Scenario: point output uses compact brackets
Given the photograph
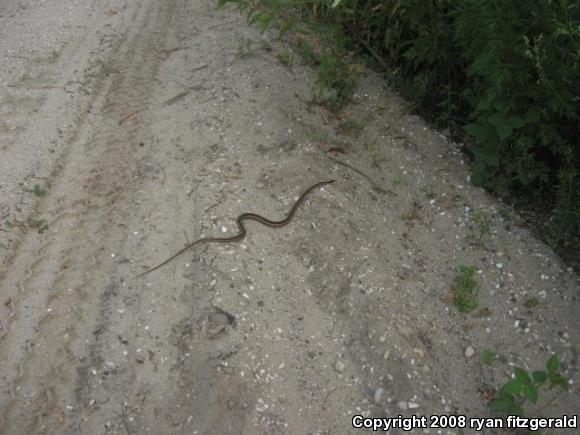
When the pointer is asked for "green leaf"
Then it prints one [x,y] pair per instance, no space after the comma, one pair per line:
[497,119]
[557,380]
[475,130]
[505,405]
[502,404]
[516,122]
[284,28]
[513,387]
[530,392]
[533,116]
[504,131]
[516,410]
[522,375]
[552,364]
[489,356]
[539,376]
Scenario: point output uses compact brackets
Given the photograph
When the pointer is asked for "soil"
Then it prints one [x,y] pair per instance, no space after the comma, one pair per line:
[128,129]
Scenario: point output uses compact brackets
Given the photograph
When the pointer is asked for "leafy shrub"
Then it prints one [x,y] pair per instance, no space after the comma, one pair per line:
[504,73]
[525,387]
[465,290]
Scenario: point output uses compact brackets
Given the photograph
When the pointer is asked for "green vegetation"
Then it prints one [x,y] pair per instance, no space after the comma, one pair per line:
[306,52]
[532,302]
[53,57]
[503,76]
[465,290]
[335,80]
[39,191]
[39,225]
[245,48]
[489,356]
[482,226]
[285,57]
[350,127]
[524,387]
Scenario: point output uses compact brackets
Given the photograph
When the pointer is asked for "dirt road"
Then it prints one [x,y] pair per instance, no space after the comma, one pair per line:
[129,128]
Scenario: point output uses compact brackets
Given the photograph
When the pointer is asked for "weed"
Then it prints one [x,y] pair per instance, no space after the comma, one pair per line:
[430,194]
[335,80]
[53,57]
[245,48]
[39,225]
[397,180]
[414,214]
[532,302]
[489,356]
[350,127]
[265,45]
[465,291]
[285,57]
[306,53]
[481,226]
[39,191]
[321,136]
[525,387]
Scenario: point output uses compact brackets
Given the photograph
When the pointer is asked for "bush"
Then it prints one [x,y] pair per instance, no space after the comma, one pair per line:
[505,72]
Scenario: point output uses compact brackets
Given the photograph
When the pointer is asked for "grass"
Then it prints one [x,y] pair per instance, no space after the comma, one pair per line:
[285,58]
[430,194]
[350,127]
[306,53]
[465,290]
[335,82]
[481,227]
[489,356]
[245,48]
[532,302]
[39,191]
[39,225]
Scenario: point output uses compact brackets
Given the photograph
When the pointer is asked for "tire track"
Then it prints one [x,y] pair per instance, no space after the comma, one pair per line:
[72,285]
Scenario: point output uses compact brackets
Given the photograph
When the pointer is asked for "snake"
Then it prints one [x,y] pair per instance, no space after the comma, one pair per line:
[242,227]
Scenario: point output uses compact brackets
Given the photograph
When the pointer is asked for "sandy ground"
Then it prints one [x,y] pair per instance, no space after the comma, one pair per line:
[129,128]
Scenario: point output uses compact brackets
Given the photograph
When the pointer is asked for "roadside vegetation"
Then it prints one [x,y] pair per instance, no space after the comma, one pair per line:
[502,76]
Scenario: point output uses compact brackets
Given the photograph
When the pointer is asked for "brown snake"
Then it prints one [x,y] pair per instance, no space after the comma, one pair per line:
[240,221]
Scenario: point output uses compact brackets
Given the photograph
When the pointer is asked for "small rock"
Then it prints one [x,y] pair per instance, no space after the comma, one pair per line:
[469,351]
[109,367]
[378,394]
[413,405]
[339,366]
[402,405]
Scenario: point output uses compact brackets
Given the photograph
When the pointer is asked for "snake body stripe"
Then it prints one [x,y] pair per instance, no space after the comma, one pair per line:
[240,221]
